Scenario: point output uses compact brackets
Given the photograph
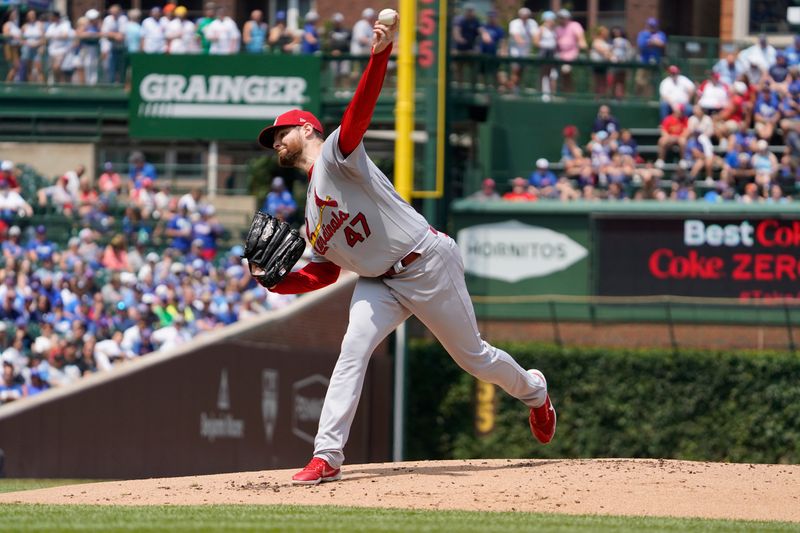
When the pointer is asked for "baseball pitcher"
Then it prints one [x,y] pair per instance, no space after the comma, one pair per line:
[355,219]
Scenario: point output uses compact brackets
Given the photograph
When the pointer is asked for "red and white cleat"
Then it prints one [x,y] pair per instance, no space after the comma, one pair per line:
[543,419]
[317,471]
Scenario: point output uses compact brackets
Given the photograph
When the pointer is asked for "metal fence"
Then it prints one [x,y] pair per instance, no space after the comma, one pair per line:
[85,64]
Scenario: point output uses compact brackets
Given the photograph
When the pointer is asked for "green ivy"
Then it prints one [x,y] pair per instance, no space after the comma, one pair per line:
[695,405]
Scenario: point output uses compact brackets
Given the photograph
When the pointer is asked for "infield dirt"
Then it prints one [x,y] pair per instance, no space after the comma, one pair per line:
[643,487]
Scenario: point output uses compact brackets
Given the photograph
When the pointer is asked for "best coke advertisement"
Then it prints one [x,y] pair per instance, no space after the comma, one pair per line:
[745,258]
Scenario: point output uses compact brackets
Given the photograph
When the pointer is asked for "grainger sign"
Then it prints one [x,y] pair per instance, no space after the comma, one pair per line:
[218,97]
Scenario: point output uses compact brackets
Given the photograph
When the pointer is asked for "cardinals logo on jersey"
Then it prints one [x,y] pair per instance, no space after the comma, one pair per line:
[327,202]
[323,233]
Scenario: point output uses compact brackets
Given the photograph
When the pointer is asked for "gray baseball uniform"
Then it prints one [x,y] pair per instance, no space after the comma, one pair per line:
[356,219]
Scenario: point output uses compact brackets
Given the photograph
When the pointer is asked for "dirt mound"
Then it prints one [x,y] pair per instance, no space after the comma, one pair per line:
[602,486]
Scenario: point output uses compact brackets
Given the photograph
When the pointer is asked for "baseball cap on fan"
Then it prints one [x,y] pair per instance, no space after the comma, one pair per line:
[295,117]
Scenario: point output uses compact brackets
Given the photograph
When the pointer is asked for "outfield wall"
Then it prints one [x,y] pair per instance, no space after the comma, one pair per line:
[640,262]
[245,398]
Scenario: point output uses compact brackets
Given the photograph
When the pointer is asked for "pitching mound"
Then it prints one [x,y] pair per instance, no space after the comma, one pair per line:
[604,486]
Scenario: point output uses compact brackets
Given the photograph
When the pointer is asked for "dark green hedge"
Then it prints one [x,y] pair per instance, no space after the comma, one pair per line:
[698,405]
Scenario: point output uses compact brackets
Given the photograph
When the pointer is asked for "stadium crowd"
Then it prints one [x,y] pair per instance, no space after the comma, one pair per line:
[50,48]
[733,136]
[140,271]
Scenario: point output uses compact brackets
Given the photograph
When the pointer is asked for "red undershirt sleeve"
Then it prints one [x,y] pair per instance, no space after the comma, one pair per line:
[358,114]
[311,277]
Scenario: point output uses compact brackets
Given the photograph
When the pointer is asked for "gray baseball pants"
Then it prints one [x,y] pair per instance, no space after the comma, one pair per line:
[433,289]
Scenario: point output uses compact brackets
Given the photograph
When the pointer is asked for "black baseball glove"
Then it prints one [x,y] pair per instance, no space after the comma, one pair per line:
[272,248]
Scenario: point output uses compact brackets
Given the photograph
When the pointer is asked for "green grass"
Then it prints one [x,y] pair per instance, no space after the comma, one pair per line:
[334,519]
[14,485]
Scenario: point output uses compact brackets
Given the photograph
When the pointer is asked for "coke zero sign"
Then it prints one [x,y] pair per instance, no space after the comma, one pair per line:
[746,257]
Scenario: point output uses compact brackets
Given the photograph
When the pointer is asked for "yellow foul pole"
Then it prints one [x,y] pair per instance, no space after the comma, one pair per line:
[404,110]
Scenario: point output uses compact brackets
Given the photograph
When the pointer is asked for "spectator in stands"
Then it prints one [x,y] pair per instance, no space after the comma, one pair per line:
[40,247]
[10,388]
[12,35]
[545,40]
[652,44]
[729,69]
[605,121]
[520,41]
[191,201]
[279,202]
[675,89]
[682,187]
[109,182]
[111,45]
[337,41]
[698,154]
[139,170]
[792,52]
[790,116]
[571,40]
[12,250]
[309,43]
[519,191]
[179,229]
[281,39]
[761,55]
[735,115]
[622,51]
[172,335]
[32,48]
[737,169]
[602,52]
[133,32]
[115,256]
[776,195]
[486,193]
[87,198]
[491,35]
[207,230]
[58,196]
[59,35]
[571,154]
[9,173]
[12,205]
[751,194]
[466,30]
[361,43]
[778,73]
[599,149]
[209,14]
[672,128]
[88,32]
[713,95]
[701,122]
[765,164]
[766,114]
[543,181]
[627,146]
[181,34]
[615,192]
[254,33]
[223,34]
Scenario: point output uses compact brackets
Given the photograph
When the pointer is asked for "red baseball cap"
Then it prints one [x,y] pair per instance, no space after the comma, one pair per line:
[673,69]
[295,117]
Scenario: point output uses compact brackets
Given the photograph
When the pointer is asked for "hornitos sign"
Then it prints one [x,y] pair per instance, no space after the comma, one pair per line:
[512,251]
[218,97]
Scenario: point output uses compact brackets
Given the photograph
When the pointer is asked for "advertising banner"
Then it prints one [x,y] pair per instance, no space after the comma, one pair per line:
[699,255]
[218,97]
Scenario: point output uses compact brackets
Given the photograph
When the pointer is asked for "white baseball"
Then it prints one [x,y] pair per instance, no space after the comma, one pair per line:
[387,17]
